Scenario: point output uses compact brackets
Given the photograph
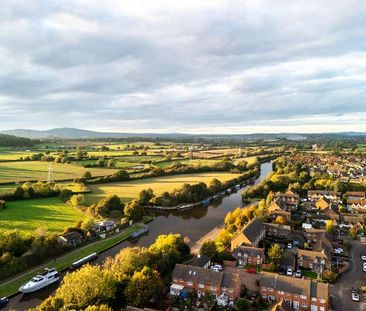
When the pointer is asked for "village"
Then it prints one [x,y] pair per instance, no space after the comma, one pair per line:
[308,254]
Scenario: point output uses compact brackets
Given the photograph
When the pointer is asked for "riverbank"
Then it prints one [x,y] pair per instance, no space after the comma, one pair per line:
[62,264]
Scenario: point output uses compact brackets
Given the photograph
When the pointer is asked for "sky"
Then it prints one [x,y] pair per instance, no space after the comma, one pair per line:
[184,66]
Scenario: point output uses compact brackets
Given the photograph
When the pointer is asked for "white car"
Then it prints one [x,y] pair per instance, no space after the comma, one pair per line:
[355,297]
[298,273]
[289,272]
[363,257]
[364,267]
[338,250]
[289,245]
[216,268]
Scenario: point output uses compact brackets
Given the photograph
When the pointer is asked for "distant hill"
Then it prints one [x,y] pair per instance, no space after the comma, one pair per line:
[75,133]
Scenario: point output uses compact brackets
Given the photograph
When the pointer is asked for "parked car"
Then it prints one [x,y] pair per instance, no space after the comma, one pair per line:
[355,294]
[364,267]
[217,268]
[363,256]
[289,272]
[289,245]
[298,273]
[3,301]
[338,250]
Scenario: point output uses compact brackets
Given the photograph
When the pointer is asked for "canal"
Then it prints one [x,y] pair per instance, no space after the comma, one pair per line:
[192,224]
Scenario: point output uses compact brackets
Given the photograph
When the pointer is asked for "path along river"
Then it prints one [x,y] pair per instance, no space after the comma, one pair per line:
[193,223]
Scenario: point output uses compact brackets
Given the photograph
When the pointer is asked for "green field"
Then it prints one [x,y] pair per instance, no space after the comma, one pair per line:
[36,170]
[193,162]
[28,215]
[128,191]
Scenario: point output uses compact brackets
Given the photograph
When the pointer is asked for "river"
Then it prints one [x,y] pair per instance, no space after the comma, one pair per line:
[193,224]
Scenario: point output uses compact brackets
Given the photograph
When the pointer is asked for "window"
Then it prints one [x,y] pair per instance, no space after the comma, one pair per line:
[303,297]
[264,296]
[304,304]
[189,284]
[280,292]
[296,305]
[201,285]
[212,288]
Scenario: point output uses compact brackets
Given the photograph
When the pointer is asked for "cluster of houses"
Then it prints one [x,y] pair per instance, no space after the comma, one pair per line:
[310,249]
[101,228]
[343,167]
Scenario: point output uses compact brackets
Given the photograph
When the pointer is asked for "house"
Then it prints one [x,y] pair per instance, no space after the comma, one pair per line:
[279,208]
[290,197]
[277,230]
[314,195]
[251,235]
[249,256]
[323,203]
[300,294]
[356,200]
[316,261]
[224,286]
[289,261]
[281,305]
[105,225]
[72,238]
[201,261]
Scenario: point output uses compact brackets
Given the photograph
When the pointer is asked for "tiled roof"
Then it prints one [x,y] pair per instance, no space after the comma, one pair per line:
[285,283]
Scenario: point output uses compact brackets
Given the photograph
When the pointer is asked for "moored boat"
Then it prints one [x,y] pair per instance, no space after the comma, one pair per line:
[48,277]
[139,232]
[82,261]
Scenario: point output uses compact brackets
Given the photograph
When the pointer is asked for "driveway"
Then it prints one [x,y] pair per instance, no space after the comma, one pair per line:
[341,291]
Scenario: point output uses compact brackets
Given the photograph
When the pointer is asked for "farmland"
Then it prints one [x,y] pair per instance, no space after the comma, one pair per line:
[129,190]
[29,215]
[36,170]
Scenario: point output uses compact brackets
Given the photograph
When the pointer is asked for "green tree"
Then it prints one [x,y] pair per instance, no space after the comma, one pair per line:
[77,200]
[87,286]
[276,254]
[87,175]
[209,249]
[134,210]
[329,226]
[145,196]
[243,304]
[142,286]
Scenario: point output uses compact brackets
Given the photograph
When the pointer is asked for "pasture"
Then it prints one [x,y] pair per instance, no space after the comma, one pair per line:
[29,215]
[130,190]
[36,170]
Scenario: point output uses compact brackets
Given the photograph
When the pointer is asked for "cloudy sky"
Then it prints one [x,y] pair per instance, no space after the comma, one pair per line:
[183,66]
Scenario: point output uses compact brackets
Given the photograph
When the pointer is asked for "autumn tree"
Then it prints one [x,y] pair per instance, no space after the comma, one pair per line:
[280,220]
[142,286]
[329,226]
[209,249]
[276,254]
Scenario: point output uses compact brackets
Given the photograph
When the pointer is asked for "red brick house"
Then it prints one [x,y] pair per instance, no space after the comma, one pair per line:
[249,256]
[300,294]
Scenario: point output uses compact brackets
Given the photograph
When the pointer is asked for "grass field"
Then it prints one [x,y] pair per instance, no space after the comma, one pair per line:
[28,215]
[128,191]
[193,162]
[35,170]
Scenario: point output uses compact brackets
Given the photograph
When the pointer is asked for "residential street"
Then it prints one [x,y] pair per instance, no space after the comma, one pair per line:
[355,277]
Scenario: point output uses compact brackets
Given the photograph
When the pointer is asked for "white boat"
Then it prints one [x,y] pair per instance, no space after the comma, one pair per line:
[48,277]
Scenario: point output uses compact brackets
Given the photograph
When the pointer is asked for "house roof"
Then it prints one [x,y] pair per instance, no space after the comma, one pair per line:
[277,226]
[311,254]
[320,290]
[251,251]
[285,283]
[230,280]
[201,275]
[288,193]
[277,204]
[72,236]
[253,229]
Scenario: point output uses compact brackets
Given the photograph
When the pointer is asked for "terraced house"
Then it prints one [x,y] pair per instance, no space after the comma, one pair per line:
[290,197]
[300,294]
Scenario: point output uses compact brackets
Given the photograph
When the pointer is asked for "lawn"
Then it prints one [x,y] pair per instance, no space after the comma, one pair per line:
[28,215]
[128,191]
[36,170]
[193,162]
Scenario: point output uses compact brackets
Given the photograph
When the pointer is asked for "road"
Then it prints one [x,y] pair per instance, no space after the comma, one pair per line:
[341,291]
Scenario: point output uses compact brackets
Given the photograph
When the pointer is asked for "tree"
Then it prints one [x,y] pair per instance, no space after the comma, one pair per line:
[77,200]
[79,154]
[223,239]
[209,249]
[87,286]
[111,163]
[87,175]
[243,304]
[276,254]
[353,231]
[329,226]
[142,286]
[134,210]
[280,220]
[127,261]
[145,196]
